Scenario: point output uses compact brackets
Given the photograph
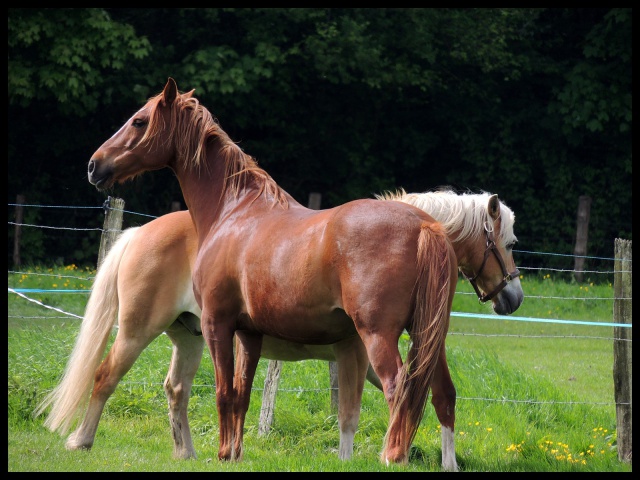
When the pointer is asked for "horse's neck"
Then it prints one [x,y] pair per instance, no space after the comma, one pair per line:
[465,249]
[207,199]
[202,189]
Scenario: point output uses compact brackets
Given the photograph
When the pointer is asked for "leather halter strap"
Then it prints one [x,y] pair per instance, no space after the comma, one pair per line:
[506,277]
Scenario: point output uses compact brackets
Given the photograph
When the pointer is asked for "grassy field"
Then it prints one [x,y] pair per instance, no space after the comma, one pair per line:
[531,396]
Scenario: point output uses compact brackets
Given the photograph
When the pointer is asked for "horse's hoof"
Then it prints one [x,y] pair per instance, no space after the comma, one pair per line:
[74,446]
[397,458]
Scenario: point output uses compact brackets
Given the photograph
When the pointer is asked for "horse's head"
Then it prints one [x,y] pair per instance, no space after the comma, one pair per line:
[145,142]
[490,267]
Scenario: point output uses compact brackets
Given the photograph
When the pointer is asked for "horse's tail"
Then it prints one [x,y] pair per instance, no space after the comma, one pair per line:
[435,286]
[69,398]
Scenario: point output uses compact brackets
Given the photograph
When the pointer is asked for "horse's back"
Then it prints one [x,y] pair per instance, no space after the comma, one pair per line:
[391,219]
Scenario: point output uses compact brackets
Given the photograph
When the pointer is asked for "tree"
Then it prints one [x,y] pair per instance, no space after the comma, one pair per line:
[532,104]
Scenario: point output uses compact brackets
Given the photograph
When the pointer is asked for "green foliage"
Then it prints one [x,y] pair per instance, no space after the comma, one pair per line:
[63,53]
[532,104]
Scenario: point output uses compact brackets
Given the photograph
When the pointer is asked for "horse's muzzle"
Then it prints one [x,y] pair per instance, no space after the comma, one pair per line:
[101,180]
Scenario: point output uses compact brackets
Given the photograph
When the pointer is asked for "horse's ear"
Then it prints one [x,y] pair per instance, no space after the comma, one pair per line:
[494,206]
[170,92]
[188,94]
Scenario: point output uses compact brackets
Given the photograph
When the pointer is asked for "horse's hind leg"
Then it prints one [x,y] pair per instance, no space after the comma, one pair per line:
[383,353]
[352,363]
[123,353]
[248,348]
[444,400]
[185,360]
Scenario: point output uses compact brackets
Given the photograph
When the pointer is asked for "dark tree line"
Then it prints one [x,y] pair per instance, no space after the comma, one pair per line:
[532,104]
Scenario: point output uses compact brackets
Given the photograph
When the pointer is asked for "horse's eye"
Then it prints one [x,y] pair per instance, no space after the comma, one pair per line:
[137,123]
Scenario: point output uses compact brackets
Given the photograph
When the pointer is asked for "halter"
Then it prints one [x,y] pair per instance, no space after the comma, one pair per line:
[506,277]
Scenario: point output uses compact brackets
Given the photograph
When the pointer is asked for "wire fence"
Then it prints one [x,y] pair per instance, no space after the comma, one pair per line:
[51,312]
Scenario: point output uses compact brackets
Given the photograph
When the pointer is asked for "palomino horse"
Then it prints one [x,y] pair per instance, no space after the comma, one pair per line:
[145,285]
[267,265]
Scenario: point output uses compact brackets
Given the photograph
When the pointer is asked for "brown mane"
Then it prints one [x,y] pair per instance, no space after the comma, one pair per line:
[198,128]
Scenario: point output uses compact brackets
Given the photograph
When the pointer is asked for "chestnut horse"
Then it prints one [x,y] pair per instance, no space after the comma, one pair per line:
[267,265]
[144,283]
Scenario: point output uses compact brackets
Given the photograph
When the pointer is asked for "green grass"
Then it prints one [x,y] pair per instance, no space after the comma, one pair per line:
[526,402]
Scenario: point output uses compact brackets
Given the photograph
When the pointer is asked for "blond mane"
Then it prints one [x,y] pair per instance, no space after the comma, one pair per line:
[464,213]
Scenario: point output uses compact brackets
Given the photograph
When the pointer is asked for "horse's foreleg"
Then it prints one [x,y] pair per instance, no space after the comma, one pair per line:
[352,360]
[248,348]
[116,364]
[443,399]
[218,333]
[185,360]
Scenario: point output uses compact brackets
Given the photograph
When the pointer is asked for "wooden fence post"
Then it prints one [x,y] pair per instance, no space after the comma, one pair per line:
[17,236]
[622,346]
[113,209]
[269,396]
[275,366]
[582,234]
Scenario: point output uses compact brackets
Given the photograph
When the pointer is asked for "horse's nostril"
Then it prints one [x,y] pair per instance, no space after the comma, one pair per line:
[92,166]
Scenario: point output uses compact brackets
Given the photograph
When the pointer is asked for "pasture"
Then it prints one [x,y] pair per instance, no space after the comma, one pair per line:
[531,396]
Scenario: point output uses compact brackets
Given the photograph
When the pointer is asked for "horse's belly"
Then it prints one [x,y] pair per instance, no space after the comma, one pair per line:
[303,328]
[278,349]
